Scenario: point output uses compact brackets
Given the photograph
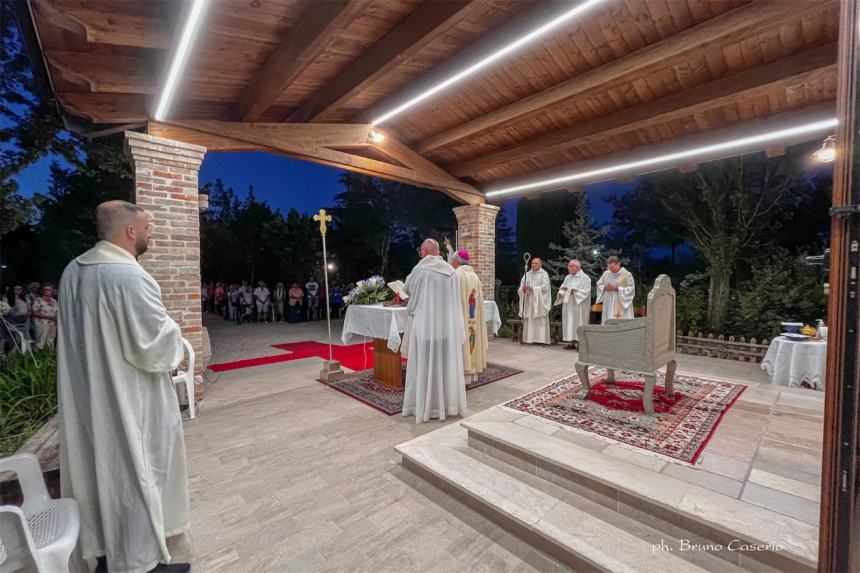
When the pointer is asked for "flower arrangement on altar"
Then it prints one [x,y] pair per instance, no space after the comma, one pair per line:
[369,291]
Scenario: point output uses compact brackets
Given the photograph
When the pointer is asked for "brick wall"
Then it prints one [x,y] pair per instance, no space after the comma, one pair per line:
[165,182]
[476,232]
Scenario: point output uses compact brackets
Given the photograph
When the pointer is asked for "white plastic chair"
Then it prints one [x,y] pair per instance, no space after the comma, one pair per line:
[187,377]
[42,531]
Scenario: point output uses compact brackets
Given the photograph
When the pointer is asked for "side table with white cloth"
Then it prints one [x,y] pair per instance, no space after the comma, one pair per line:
[796,363]
[492,316]
[384,324]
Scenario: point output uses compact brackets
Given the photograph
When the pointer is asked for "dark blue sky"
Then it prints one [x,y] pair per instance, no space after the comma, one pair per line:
[286,183]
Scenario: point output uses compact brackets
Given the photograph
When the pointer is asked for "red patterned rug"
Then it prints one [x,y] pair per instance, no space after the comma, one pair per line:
[679,430]
[361,386]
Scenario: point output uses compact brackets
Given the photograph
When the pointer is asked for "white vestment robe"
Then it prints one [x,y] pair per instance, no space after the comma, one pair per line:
[616,303]
[122,453]
[472,303]
[535,307]
[575,310]
[433,343]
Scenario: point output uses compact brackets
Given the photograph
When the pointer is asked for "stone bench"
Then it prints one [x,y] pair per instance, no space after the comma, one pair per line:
[516,325]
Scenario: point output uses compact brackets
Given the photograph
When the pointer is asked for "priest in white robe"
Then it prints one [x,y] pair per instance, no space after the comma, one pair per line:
[575,295]
[472,304]
[535,303]
[616,290]
[122,454]
[433,340]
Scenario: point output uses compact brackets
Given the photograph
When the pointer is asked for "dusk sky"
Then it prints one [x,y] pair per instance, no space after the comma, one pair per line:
[285,183]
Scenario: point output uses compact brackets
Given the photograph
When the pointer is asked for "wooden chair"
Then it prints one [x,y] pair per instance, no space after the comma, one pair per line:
[641,345]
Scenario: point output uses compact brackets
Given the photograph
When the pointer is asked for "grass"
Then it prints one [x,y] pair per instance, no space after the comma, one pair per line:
[28,396]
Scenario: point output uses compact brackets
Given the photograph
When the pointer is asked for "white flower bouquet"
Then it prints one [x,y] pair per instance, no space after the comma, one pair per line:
[369,291]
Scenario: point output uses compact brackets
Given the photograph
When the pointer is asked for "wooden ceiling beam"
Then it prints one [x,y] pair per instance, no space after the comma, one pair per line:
[305,41]
[724,91]
[101,27]
[316,143]
[106,107]
[430,21]
[759,14]
[106,73]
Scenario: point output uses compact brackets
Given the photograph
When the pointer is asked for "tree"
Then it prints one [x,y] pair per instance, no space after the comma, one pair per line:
[580,240]
[66,226]
[380,222]
[731,209]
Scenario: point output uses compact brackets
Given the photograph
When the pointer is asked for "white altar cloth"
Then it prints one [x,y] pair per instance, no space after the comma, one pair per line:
[492,316]
[375,321]
[796,363]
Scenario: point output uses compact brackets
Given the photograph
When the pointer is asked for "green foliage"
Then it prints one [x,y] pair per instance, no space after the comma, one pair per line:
[691,303]
[540,220]
[28,396]
[379,224]
[507,267]
[505,331]
[782,288]
[248,240]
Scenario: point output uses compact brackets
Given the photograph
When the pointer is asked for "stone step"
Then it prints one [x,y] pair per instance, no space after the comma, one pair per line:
[678,508]
[563,528]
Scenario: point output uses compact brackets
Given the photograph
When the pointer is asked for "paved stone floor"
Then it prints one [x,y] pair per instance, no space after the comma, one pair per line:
[288,475]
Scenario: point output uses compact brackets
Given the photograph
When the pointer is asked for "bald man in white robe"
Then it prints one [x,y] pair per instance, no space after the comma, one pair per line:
[122,453]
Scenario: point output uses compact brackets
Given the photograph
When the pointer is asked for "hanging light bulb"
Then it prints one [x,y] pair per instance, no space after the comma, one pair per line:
[827,152]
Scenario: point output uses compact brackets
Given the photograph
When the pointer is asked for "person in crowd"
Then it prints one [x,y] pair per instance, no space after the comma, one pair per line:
[233,302]
[262,300]
[535,303]
[122,452]
[280,299]
[296,295]
[575,297]
[219,298]
[312,289]
[210,296]
[247,302]
[616,290]
[19,314]
[44,314]
[336,299]
[204,298]
[472,304]
[433,341]
[31,295]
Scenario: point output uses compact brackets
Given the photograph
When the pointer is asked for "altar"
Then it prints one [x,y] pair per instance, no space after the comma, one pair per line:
[385,325]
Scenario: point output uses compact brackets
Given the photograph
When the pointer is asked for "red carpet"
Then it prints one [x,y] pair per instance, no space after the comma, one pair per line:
[354,356]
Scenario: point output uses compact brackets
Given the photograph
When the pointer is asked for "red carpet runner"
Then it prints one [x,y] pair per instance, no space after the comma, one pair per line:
[354,356]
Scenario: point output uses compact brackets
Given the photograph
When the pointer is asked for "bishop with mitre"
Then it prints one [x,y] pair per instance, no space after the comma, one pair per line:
[433,340]
[575,295]
[535,303]
[472,305]
[616,290]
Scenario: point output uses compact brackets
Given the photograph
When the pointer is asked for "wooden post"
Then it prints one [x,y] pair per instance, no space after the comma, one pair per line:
[839,532]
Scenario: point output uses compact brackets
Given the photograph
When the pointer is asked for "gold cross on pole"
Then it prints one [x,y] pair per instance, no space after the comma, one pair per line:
[322,217]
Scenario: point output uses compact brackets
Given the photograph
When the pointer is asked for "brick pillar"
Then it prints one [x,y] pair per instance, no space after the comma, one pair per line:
[165,184]
[476,232]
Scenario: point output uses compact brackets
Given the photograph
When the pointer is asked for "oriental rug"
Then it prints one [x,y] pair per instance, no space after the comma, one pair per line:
[679,429]
[360,385]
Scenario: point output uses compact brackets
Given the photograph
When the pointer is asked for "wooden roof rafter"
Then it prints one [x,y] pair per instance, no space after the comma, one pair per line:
[745,84]
[750,16]
[317,27]
[326,144]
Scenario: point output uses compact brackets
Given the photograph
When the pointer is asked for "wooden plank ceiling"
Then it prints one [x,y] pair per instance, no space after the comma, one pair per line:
[629,73]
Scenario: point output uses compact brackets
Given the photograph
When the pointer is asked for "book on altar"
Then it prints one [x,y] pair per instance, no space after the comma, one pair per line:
[399,289]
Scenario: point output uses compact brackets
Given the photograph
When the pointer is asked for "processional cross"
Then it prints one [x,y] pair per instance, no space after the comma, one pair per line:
[331,368]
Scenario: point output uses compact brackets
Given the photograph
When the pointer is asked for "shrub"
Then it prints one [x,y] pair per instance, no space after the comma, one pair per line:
[28,396]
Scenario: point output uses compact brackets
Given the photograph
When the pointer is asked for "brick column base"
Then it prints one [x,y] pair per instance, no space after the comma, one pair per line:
[476,232]
[165,184]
